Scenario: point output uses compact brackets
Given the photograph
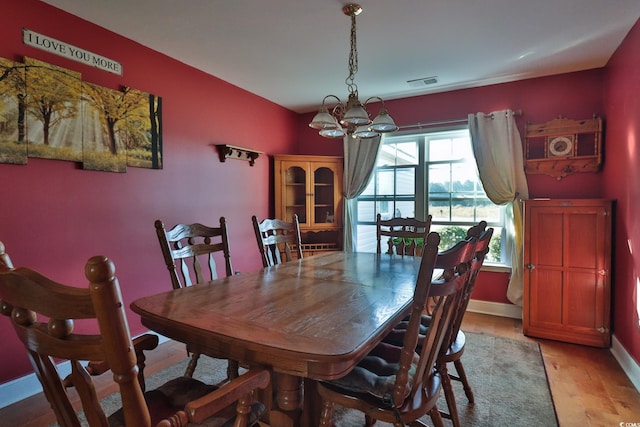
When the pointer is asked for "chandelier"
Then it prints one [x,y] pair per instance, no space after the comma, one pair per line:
[351,118]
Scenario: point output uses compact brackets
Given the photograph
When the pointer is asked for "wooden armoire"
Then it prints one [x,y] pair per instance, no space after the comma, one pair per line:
[567,275]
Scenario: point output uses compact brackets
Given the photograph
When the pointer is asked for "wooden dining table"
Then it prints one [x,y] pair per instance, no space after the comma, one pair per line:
[307,320]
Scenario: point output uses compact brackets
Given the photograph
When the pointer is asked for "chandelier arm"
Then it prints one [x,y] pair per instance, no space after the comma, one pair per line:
[324,100]
[376,98]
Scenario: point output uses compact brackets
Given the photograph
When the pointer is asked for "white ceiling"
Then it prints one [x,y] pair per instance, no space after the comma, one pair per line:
[293,52]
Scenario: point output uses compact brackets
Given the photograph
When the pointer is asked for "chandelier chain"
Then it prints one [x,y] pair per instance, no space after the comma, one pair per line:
[353,59]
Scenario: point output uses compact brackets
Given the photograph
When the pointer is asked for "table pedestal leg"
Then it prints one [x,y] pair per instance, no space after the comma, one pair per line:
[288,398]
[311,404]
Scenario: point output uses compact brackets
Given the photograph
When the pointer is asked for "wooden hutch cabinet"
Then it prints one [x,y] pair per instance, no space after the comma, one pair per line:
[567,275]
[311,187]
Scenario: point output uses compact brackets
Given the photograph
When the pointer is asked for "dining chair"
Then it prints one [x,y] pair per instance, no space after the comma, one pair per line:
[43,314]
[455,344]
[188,251]
[276,237]
[406,235]
[457,339]
[399,384]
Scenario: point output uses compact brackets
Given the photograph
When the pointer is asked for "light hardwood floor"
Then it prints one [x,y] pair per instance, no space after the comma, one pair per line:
[588,386]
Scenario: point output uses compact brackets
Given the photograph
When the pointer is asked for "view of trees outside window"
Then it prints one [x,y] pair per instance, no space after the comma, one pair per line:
[428,173]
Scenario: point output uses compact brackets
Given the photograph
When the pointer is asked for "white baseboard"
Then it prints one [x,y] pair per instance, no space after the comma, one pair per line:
[628,364]
[495,309]
[23,387]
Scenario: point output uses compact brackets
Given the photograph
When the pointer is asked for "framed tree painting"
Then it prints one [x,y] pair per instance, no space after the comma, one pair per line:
[53,119]
[102,115]
[141,129]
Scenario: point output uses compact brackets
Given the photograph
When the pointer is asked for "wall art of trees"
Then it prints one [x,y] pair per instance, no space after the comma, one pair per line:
[49,112]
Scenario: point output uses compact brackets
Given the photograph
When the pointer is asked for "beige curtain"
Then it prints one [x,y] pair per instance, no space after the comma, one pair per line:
[359,161]
[498,151]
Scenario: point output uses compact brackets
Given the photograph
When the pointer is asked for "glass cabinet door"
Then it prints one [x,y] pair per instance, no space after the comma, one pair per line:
[295,194]
[324,210]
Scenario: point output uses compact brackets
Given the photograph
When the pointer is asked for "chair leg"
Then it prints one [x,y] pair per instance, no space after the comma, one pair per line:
[192,365]
[447,387]
[463,378]
[243,409]
[326,416]
[436,418]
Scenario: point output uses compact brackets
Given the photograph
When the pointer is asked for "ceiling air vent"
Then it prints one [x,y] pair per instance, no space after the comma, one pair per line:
[425,81]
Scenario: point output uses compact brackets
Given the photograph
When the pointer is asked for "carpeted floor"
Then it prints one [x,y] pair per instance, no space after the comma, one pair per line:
[508,379]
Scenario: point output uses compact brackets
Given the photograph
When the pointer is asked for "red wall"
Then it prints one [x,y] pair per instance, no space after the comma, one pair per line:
[620,179]
[54,216]
[575,96]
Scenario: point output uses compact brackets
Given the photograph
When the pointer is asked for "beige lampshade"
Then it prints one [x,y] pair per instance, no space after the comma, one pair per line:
[365,132]
[337,132]
[383,122]
[323,120]
[356,115]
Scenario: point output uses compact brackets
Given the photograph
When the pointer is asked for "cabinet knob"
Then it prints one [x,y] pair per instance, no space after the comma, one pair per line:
[530,267]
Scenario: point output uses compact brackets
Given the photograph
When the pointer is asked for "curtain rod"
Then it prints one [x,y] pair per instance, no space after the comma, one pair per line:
[449,122]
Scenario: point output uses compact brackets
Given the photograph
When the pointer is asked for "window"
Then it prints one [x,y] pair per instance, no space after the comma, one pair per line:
[429,173]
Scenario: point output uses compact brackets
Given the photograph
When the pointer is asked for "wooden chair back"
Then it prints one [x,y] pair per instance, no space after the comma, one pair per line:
[461,255]
[405,235]
[28,296]
[189,249]
[480,252]
[442,296]
[43,314]
[276,238]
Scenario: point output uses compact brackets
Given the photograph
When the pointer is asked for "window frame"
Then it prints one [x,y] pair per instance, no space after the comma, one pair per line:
[420,196]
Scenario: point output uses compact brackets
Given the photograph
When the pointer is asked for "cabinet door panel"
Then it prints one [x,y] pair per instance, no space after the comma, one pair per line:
[546,297]
[295,192]
[326,191]
[549,225]
[581,299]
[581,248]
[323,195]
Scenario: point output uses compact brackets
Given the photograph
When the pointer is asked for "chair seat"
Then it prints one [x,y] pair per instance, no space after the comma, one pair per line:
[172,397]
[376,373]
[372,382]
[431,392]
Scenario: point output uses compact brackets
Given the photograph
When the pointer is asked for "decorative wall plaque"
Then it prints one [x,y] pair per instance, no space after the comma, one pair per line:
[562,147]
